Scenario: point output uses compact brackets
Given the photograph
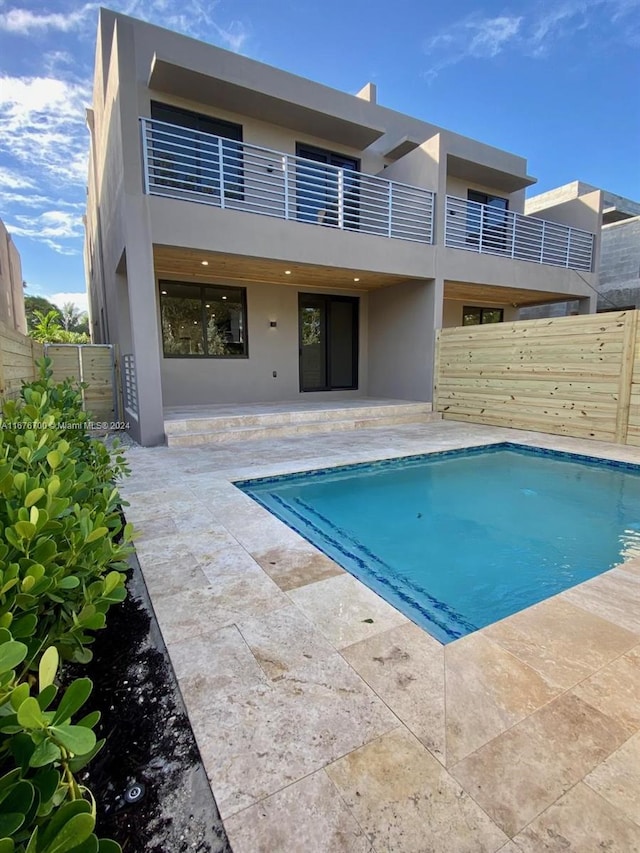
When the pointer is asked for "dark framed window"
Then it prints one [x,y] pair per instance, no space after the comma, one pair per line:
[203,321]
[487,214]
[188,158]
[476,316]
[318,189]
[495,201]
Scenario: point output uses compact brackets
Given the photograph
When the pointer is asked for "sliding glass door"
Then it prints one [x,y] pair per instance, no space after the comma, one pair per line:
[328,342]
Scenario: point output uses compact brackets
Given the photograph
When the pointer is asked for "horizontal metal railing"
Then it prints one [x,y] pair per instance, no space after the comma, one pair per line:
[490,230]
[188,164]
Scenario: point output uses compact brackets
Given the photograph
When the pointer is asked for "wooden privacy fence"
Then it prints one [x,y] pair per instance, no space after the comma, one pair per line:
[94,365]
[577,376]
[18,355]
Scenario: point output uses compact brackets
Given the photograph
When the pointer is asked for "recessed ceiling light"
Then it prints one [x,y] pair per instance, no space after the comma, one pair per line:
[356,279]
[287,272]
[224,297]
[207,306]
[164,292]
[205,263]
[195,322]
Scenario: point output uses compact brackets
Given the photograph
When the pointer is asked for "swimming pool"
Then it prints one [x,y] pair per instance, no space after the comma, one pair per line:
[460,539]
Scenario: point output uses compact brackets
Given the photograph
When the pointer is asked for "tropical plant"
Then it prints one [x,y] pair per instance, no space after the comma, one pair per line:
[37,303]
[47,328]
[63,550]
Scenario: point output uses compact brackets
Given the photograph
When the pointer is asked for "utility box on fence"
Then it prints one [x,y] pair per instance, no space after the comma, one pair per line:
[94,365]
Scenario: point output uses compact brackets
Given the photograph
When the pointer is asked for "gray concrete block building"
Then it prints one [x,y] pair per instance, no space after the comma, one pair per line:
[619,265]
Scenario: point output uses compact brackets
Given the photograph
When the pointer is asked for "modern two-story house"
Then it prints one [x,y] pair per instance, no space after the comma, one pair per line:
[252,236]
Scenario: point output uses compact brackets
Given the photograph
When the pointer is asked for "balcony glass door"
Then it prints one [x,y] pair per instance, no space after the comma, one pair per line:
[187,155]
[327,193]
[487,221]
[328,342]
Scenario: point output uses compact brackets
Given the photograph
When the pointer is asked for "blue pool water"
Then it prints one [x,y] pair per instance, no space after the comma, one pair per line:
[458,540]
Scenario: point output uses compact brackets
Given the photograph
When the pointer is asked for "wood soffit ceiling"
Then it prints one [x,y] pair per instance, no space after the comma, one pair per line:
[179,263]
[477,294]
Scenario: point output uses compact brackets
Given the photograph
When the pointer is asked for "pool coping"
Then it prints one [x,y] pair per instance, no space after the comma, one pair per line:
[245,523]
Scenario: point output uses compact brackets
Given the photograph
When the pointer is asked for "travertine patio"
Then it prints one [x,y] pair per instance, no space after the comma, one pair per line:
[328,722]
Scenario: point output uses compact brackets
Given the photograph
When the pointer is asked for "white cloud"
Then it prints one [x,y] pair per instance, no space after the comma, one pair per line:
[194,18]
[492,34]
[11,180]
[25,22]
[50,228]
[42,126]
[28,198]
[234,36]
[191,17]
[533,33]
[472,37]
[78,298]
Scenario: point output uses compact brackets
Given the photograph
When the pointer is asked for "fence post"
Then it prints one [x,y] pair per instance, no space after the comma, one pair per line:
[33,360]
[2,379]
[626,375]
[436,371]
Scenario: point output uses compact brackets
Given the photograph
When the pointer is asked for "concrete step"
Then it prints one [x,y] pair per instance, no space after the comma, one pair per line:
[280,418]
[197,438]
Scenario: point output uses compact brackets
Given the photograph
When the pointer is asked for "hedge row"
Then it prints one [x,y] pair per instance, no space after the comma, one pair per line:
[63,551]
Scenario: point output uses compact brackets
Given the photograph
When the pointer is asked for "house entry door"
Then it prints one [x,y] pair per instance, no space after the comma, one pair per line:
[328,342]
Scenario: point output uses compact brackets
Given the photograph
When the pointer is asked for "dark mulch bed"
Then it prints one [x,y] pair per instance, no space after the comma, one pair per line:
[150,746]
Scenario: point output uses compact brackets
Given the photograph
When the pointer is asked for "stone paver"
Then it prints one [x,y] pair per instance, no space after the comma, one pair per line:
[488,690]
[327,721]
[525,769]
[405,667]
[580,821]
[564,643]
[311,811]
[345,610]
[405,800]
[617,779]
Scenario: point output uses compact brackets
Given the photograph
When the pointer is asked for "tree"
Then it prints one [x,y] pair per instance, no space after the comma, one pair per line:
[70,312]
[73,319]
[33,304]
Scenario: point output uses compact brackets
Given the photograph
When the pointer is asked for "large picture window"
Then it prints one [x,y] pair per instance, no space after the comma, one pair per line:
[206,321]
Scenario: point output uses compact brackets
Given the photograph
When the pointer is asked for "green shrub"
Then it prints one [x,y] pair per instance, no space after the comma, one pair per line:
[63,552]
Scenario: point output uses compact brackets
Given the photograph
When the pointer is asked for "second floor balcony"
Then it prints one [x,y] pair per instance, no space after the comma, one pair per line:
[191,165]
[494,230]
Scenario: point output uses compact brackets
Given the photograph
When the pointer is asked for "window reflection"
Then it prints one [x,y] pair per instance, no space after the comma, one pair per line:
[208,321]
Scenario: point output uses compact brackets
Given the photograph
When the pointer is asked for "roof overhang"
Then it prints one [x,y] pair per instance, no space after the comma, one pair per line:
[331,118]
[489,176]
[400,147]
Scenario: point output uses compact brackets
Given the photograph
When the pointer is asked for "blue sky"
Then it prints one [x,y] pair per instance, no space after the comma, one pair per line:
[556,82]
